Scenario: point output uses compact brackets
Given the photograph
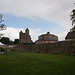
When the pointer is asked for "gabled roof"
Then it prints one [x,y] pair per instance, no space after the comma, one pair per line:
[70,35]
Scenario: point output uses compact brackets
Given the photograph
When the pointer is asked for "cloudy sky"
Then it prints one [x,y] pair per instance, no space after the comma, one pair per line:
[40,16]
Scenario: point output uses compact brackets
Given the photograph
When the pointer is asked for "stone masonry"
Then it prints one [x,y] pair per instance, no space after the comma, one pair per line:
[63,47]
[25,37]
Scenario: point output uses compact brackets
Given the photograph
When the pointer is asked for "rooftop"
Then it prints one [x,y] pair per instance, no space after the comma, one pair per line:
[70,35]
[48,34]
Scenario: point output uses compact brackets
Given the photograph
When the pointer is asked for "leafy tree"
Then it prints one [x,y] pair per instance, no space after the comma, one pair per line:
[2,26]
[5,40]
[16,41]
[73,20]
[73,24]
[73,17]
[73,29]
[11,42]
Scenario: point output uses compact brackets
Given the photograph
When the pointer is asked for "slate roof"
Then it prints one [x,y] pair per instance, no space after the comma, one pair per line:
[48,34]
[47,38]
[70,35]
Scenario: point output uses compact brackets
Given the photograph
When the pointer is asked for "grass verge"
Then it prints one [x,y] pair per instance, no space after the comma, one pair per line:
[19,63]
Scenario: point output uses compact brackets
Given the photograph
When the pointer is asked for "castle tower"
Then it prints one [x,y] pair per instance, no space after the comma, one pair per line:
[20,36]
[27,31]
[25,37]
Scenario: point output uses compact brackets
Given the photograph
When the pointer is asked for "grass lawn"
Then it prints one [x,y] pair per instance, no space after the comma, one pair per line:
[19,63]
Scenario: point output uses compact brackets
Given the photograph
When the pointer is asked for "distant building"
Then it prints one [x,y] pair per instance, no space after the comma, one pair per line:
[47,38]
[70,36]
[25,37]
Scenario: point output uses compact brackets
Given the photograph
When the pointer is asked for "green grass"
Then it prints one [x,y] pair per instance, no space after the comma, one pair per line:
[19,63]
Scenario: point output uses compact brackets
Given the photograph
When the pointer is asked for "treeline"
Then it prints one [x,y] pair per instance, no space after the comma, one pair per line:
[6,40]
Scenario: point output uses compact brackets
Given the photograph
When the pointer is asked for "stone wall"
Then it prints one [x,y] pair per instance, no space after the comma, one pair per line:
[64,47]
[45,42]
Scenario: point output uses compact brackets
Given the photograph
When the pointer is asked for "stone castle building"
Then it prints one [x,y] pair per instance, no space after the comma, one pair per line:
[25,37]
[70,36]
[46,43]
[47,38]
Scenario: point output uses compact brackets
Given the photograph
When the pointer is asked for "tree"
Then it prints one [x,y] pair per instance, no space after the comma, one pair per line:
[5,40]
[73,17]
[16,41]
[73,24]
[73,29]
[11,42]
[73,20]
[2,26]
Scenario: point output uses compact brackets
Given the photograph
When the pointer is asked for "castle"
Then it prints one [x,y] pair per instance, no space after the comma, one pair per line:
[46,43]
[42,39]
[25,37]
[47,38]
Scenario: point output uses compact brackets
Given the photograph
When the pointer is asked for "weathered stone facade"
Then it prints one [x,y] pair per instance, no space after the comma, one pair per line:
[47,38]
[46,43]
[63,47]
[25,37]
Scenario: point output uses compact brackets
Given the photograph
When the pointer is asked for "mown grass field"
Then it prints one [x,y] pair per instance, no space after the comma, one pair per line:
[19,63]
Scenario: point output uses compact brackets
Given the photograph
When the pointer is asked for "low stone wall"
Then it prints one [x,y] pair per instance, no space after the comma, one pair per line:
[45,42]
[63,47]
